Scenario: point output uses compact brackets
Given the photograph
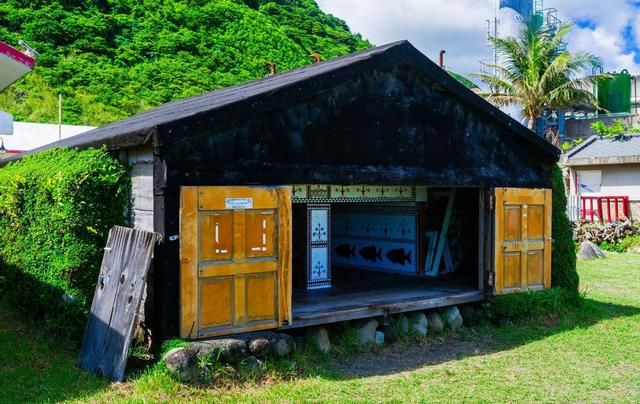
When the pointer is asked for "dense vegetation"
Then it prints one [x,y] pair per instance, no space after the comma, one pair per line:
[56,208]
[113,58]
[564,273]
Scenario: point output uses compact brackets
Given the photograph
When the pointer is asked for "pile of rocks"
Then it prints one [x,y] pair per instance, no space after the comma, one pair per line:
[246,349]
[372,331]
[250,350]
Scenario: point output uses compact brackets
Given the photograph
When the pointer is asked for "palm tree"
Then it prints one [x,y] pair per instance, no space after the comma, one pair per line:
[537,73]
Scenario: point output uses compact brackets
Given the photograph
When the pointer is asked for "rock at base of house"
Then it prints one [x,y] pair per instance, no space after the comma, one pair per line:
[469,314]
[436,325]
[283,345]
[227,350]
[419,324]
[366,331]
[260,347]
[391,333]
[589,250]
[254,365]
[182,364]
[320,338]
[379,338]
[403,324]
[452,317]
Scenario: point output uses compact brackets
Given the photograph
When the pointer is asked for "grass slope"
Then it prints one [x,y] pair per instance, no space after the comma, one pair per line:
[591,353]
[113,58]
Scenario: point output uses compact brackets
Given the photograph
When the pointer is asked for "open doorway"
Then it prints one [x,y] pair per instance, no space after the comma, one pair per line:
[356,259]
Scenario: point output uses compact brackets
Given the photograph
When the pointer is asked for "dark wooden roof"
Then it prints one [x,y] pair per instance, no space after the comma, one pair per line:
[269,92]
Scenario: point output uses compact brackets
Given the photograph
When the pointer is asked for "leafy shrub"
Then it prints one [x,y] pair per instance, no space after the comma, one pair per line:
[56,208]
[570,144]
[564,273]
[112,59]
[602,129]
[623,245]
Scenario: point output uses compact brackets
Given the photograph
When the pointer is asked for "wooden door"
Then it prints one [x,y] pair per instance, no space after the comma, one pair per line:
[235,259]
[522,240]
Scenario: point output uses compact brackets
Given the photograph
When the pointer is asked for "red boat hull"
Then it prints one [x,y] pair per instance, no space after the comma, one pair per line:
[13,65]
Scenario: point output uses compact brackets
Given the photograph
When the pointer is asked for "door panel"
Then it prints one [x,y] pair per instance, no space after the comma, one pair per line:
[260,233]
[261,297]
[214,295]
[216,231]
[523,240]
[235,259]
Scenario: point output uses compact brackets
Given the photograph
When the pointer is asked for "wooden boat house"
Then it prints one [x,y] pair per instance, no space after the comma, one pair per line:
[363,186]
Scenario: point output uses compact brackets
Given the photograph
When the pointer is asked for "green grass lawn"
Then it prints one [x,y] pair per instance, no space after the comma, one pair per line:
[586,354]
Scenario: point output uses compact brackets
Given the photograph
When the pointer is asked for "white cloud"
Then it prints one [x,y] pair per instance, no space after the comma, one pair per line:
[605,38]
[459,27]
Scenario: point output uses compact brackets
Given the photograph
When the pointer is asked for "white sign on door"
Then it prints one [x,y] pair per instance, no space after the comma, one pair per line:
[238,203]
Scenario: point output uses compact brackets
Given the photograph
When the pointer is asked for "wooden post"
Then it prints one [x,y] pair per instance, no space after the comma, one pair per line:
[59,116]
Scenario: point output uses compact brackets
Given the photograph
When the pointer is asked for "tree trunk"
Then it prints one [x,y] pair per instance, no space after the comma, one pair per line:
[532,124]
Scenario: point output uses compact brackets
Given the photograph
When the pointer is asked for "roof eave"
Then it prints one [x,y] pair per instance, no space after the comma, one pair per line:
[603,161]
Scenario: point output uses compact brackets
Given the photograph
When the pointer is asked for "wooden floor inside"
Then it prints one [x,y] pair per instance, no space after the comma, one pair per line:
[378,295]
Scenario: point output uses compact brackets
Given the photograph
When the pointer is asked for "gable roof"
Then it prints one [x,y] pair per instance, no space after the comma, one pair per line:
[266,93]
[623,149]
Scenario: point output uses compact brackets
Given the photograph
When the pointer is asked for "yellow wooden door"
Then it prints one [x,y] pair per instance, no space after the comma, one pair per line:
[522,240]
[235,259]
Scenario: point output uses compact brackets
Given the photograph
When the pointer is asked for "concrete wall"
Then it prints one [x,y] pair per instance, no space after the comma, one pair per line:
[616,180]
[141,207]
[141,210]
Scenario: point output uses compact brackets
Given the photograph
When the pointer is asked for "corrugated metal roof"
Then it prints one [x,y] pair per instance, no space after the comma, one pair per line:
[627,145]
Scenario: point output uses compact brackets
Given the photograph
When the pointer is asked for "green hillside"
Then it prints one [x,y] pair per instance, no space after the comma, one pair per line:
[113,58]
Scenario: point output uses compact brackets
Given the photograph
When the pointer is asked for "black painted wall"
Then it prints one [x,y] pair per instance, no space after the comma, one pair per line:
[393,127]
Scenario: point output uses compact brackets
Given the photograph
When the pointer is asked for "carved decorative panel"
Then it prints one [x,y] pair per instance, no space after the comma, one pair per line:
[358,193]
[376,238]
[318,244]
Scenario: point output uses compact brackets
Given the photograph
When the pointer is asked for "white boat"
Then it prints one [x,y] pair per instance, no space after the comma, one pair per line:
[13,65]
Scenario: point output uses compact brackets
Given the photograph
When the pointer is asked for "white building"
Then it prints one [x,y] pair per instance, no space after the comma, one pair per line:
[607,167]
[27,136]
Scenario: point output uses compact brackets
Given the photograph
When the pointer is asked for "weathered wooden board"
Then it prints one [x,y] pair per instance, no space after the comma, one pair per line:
[125,263]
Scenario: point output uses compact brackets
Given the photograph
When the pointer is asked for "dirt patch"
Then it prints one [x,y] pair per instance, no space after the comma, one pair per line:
[403,357]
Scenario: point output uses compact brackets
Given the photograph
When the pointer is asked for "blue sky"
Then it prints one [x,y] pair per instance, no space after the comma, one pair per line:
[609,29]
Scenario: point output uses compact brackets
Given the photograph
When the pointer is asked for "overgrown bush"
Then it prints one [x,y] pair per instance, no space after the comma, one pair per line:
[564,273]
[56,208]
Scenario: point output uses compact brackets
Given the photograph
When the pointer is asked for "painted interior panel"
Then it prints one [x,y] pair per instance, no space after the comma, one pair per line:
[319,275]
[319,222]
[358,193]
[381,238]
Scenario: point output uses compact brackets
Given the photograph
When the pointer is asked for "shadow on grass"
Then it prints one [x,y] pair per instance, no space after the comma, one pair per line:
[40,337]
[36,365]
[471,341]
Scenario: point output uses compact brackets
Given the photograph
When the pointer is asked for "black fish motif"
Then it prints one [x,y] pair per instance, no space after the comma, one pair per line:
[398,256]
[371,253]
[346,251]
